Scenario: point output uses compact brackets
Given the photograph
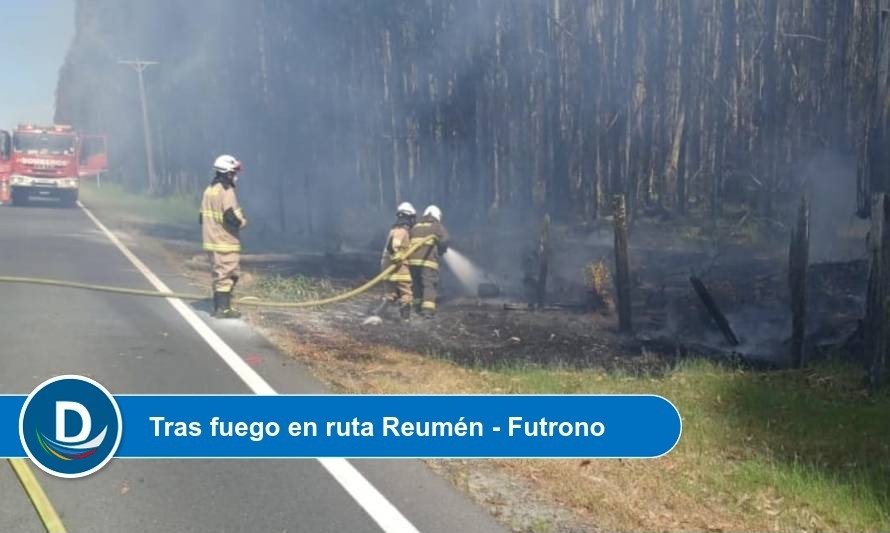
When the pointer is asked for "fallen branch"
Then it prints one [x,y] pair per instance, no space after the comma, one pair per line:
[803,36]
[741,221]
[548,307]
[714,311]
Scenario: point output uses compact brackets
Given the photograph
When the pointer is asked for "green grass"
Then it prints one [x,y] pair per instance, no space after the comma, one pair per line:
[540,526]
[815,438]
[291,289]
[168,210]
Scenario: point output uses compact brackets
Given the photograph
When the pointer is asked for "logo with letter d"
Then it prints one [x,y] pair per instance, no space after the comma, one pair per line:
[70,426]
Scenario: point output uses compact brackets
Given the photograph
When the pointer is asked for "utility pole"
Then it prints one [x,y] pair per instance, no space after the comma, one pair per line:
[139,66]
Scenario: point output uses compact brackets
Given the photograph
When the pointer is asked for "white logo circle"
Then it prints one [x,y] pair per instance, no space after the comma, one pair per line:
[46,409]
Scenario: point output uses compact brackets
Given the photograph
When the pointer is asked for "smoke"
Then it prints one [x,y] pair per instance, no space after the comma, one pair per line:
[836,233]
[497,111]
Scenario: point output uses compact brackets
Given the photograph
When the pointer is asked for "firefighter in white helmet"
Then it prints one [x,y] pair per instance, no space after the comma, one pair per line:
[424,262]
[222,220]
[398,283]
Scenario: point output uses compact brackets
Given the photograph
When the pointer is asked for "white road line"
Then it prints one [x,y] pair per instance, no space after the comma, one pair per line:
[362,491]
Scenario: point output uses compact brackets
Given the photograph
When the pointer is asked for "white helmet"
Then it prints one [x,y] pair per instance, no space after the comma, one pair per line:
[226,164]
[433,211]
[405,208]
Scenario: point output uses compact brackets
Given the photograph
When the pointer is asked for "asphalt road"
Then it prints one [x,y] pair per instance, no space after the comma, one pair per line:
[143,345]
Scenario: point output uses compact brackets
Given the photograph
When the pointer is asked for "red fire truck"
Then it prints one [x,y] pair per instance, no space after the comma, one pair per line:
[49,161]
[5,165]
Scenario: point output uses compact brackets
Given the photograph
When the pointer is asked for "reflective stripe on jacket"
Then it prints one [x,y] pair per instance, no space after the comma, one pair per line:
[221,219]
[397,242]
[428,254]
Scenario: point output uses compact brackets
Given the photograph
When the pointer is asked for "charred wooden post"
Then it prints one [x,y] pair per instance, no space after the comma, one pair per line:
[308,205]
[543,263]
[719,318]
[877,312]
[798,262]
[282,208]
[622,266]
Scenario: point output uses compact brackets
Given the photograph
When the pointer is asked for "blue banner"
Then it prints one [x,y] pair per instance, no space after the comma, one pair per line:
[385,426]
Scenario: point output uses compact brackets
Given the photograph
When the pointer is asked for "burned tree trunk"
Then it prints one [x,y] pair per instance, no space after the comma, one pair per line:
[282,207]
[308,203]
[877,329]
[549,103]
[798,262]
[874,168]
[719,318]
[622,267]
[543,263]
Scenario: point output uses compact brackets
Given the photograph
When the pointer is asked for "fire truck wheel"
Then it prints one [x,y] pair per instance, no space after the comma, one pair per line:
[19,197]
[69,198]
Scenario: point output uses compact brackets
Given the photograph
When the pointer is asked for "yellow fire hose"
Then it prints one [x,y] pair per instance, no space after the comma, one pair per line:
[246,301]
[47,514]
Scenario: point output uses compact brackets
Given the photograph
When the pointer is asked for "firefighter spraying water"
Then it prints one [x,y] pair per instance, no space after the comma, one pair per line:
[395,252]
[424,262]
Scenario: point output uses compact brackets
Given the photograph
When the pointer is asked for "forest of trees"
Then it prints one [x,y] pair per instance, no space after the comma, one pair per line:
[482,105]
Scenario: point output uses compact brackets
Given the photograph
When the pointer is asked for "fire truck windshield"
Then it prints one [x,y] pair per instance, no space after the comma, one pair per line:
[41,143]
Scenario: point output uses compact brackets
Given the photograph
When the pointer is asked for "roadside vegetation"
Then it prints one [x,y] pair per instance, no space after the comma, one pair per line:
[279,288]
[760,451]
[795,450]
[789,450]
[114,197]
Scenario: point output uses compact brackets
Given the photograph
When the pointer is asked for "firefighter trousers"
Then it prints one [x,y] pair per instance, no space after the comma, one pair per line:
[225,269]
[398,285]
[425,281]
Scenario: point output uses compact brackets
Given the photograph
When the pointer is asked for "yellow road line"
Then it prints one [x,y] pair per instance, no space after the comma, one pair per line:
[45,510]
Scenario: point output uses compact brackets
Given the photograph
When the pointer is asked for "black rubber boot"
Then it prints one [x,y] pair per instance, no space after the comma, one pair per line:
[405,312]
[224,309]
[230,311]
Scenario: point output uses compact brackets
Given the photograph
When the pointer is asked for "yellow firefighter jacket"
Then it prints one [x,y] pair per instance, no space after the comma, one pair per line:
[428,254]
[397,243]
[221,219]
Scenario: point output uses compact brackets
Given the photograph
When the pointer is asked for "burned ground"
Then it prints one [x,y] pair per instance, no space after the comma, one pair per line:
[572,331]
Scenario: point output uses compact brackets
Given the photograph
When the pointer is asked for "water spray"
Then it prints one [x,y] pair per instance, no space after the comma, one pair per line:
[473,279]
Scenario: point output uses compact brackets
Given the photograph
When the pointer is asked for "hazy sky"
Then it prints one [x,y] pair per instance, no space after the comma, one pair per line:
[34,36]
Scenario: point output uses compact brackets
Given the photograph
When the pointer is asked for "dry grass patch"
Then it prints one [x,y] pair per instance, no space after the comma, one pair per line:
[780,451]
